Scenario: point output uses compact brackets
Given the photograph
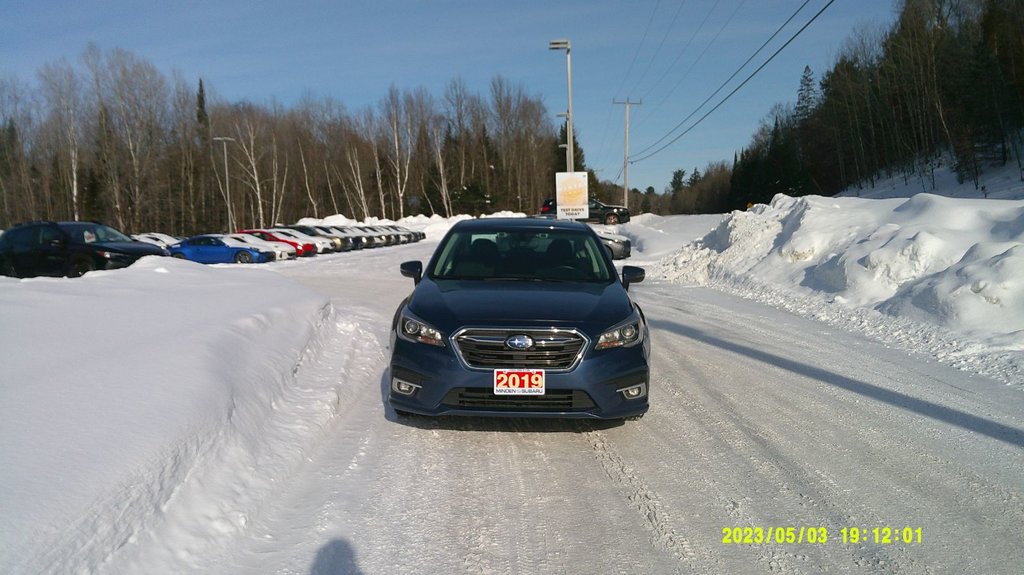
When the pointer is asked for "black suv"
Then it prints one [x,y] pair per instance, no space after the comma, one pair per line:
[68,249]
[599,212]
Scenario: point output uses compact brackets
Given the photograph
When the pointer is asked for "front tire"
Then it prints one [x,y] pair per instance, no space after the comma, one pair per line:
[80,266]
[243,257]
[611,219]
[7,269]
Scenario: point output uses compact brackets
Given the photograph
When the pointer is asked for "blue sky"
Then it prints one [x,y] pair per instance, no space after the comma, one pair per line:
[264,51]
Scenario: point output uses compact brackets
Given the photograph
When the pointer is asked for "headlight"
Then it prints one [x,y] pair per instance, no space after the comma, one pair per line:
[624,335]
[412,329]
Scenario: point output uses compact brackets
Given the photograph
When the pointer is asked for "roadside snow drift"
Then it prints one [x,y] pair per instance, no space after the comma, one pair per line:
[124,391]
[956,263]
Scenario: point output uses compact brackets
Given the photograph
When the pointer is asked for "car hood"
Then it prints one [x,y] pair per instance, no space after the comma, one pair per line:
[452,304]
[134,248]
[610,236]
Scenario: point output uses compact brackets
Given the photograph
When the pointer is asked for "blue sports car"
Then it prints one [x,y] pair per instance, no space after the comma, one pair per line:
[216,249]
[520,317]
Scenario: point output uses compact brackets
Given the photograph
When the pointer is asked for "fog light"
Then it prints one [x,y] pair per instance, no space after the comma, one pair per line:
[403,387]
[635,391]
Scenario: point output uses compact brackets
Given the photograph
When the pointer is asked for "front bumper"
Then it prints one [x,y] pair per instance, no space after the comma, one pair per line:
[443,385]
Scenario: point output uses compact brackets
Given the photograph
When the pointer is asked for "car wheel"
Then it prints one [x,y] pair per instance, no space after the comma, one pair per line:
[611,219]
[243,257]
[7,269]
[178,255]
[80,266]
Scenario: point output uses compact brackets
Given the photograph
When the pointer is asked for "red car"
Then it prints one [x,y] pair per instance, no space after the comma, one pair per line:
[300,249]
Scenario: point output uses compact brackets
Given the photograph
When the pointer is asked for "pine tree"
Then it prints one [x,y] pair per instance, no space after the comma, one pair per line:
[201,117]
[579,162]
[806,96]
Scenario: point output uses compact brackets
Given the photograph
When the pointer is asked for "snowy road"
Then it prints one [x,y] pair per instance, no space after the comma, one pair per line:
[759,419]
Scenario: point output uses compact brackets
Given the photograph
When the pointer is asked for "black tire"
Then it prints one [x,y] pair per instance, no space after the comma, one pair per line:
[611,219]
[243,257]
[80,266]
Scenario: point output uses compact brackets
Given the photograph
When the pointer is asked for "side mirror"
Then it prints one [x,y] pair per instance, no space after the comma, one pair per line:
[413,269]
[632,275]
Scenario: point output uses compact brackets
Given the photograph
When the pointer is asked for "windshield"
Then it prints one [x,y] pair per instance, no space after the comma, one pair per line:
[522,255]
[88,233]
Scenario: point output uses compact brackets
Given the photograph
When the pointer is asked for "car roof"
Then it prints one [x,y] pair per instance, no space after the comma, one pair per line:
[513,224]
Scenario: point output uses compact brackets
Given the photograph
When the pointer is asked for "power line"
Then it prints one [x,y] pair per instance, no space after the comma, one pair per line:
[687,46]
[639,47]
[650,113]
[730,78]
[629,70]
[661,45]
[699,56]
[730,94]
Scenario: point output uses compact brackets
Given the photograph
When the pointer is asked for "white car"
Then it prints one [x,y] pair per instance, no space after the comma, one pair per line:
[281,249]
[619,246]
[323,245]
[156,238]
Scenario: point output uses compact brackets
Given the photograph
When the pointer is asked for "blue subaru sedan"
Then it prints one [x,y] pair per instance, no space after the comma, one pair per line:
[520,318]
[219,249]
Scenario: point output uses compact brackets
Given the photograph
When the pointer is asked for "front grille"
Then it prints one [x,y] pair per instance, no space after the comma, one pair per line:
[553,400]
[553,349]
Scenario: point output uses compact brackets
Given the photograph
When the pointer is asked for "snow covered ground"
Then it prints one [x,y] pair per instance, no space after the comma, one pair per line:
[151,418]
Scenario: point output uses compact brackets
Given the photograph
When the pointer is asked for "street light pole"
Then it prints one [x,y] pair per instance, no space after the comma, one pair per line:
[564,44]
[227,181]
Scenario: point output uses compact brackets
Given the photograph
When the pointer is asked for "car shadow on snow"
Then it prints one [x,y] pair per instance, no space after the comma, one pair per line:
[500,424]
[993,429]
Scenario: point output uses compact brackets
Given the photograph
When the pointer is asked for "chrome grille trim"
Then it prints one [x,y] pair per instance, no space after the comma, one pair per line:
[554,349]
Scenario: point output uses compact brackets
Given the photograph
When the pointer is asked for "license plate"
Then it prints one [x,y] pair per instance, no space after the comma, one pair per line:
[519,382]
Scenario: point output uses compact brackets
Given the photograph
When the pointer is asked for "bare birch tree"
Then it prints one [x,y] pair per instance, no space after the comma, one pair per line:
[62,92]
[395,113]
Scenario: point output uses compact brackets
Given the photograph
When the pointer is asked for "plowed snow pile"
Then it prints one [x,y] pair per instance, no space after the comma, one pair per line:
[956,264]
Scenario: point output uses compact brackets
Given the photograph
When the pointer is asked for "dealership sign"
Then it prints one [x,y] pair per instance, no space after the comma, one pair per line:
[571,195]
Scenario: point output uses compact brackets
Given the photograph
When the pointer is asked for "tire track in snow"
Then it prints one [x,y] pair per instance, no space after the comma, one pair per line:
[643,499]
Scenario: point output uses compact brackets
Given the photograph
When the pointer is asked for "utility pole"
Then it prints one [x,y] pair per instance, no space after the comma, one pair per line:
[625,156]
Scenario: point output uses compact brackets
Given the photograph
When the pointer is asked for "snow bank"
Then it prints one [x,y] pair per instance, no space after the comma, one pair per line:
[954,263]
[156,401]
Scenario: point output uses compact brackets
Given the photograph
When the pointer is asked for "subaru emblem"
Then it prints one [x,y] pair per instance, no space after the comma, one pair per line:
[519,342]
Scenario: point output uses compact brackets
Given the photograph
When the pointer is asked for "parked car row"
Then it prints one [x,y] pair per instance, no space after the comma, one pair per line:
[49,248]
[261,245]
